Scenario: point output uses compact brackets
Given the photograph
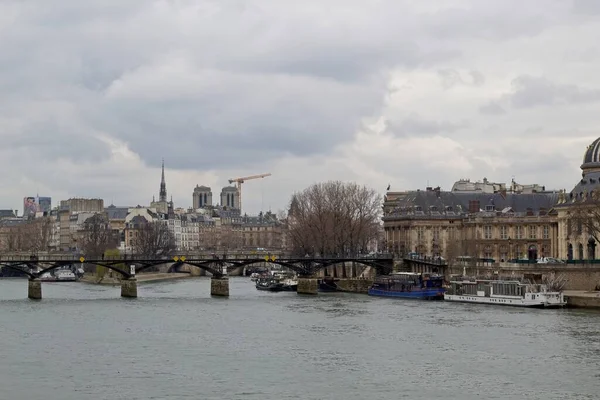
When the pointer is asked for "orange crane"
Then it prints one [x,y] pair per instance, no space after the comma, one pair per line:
[239,182]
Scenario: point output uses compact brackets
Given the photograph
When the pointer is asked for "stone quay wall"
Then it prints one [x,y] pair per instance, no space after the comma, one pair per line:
[355,285]
[578,277]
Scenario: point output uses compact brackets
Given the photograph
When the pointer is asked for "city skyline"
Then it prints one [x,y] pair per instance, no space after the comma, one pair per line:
[398,93]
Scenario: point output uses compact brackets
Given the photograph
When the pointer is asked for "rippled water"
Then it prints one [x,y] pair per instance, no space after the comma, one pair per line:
[176,342]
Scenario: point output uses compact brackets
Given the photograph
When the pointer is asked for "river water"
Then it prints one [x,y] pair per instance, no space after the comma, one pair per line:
[176,342]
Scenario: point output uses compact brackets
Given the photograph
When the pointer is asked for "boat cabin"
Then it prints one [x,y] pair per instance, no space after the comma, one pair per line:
[407,281]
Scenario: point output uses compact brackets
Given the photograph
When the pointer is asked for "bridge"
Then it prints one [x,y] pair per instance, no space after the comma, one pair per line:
[425,264]
[127,267]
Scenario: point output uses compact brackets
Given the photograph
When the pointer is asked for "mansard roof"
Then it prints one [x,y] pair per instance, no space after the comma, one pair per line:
[444,204]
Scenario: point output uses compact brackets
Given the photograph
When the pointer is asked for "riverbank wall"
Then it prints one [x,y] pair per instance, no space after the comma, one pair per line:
[354,285]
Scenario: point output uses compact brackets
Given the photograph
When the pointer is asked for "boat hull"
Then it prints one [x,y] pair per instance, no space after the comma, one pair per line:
[278,288]
[427,294]
[500,301]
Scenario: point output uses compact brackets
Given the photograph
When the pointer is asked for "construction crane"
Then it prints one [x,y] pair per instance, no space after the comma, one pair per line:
[239,182]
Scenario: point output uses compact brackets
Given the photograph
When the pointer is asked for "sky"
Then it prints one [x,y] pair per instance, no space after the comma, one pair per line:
[94,94]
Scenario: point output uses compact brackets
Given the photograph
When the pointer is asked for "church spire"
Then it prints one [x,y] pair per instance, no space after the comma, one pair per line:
[162,196]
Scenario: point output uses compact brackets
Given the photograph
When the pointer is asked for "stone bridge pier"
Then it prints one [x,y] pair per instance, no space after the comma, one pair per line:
[219,286]
[308,285]
[129,288]
[34,291]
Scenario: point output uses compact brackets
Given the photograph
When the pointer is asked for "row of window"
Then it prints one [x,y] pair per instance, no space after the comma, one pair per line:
[520,232]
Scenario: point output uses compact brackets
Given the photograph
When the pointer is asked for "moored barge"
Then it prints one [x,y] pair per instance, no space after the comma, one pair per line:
[511,292]
[409,285]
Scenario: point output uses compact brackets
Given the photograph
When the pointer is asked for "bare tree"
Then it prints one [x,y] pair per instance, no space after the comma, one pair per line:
[231,238]
[154,240]
[584,217]
[96,236]
[33,235]
[333,218]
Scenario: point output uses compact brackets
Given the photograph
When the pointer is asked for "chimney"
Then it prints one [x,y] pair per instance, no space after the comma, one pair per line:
[474,206]
[437,191]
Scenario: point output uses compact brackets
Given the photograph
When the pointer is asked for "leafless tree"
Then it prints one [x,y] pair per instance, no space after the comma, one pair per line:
[231,237]
[33,235]
[584,217]
[154,239]
[208,238]
[96,236]
[333,218]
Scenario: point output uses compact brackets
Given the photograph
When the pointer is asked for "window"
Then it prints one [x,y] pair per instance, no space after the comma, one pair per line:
[487,232]
[546,234]
[532,232]
[519,232]
[503,232]
[436,233]
[420,233]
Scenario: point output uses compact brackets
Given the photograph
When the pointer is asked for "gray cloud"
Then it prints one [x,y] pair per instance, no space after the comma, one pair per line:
[451,77]
[415,125]
[492,108]
[229,86]
[586,7]
[534,91]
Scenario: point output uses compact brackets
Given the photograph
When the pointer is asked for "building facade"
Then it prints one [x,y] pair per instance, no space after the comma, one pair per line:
[499,225]
[579,211]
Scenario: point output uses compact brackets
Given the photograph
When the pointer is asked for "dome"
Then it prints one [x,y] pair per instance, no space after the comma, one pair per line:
[591,159]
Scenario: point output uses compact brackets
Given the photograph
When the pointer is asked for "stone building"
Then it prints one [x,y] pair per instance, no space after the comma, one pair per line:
[202,197]
[579,211]
[500,225]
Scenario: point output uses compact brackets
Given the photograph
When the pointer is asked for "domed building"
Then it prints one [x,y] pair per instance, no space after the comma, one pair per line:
[579,211]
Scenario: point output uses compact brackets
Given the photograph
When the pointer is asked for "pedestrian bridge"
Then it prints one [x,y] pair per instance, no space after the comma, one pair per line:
[217,265]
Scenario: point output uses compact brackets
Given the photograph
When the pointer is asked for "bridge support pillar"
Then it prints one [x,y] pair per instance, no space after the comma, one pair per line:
[34,291]
[308,285]
[219,286]
[129,288]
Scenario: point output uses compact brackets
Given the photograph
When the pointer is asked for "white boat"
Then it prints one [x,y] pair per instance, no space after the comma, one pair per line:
[47,276]
[65,275]
[503,292]
[254,276]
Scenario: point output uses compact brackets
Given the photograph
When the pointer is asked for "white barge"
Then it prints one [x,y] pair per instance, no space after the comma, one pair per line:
[503,292]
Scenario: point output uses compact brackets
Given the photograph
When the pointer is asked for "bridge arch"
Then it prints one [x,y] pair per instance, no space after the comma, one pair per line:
[111,266]
[205,265]
[16,267]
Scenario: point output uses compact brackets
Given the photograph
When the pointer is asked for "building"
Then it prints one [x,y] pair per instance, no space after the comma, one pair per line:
[477,223]
[116,218]
[579,211]
[69,222]
[76,205]
[466,186]
[202,197]
[137,218]
[230,197]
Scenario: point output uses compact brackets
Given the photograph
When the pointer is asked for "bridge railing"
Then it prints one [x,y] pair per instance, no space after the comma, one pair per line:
[427,259]
[78,258]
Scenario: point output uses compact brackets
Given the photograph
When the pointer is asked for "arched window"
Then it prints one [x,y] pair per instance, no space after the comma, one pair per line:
[569,251]
[580,252]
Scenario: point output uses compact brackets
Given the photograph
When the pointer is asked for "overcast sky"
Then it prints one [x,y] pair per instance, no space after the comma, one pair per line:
[94,93]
